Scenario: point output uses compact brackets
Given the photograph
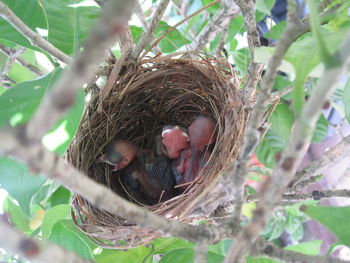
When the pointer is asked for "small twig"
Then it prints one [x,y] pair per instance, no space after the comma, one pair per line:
[54,167]
[292,156]
[262,247]
[141,16]
[33,250]
[7,51]
[218,23]
[147,36]
[222,42]
[11,59]
[254,69]
[326,161]
[176,25]
[34,38]
[305,183]
[314,195]
[201,251]
[58,100]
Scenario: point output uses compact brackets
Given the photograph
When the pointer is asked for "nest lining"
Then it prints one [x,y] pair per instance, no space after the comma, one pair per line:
[145,97]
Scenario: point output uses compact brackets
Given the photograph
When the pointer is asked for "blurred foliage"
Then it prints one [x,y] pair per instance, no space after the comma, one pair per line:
[39,207]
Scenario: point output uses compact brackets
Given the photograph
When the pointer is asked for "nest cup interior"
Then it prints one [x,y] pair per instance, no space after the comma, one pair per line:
[144,98]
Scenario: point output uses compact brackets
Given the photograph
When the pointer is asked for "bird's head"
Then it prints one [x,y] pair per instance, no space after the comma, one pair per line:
[119,153]
[175,139]
[201,132]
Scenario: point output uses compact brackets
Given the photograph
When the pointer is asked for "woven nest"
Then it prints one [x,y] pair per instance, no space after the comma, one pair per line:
[143,98]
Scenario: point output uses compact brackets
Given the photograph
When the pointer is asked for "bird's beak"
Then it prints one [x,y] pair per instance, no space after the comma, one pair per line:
[115,168]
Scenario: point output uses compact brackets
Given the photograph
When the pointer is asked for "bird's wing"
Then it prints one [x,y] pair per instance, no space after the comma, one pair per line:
[161,172]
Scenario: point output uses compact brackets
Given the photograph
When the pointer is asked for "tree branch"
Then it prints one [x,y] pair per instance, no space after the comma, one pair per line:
[273,251]
[326,161]
[8,51]
[34,251]
[11,59]
[147,36]
[54,167]
[236,178]
[300,138]
[201,252]
[34,38]
[218,23]
[314,195]
[58,100]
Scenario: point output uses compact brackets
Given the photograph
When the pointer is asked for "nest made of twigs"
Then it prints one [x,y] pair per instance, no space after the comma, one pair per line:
[158,91]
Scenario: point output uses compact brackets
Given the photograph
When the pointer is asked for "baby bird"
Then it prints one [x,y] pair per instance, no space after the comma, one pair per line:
[174,139]
[191,161]
[147,176]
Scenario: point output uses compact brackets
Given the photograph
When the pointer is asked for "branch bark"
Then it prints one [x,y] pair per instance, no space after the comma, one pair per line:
[11,59]
[292,156]
[58,100]
[34,38]
[34,251]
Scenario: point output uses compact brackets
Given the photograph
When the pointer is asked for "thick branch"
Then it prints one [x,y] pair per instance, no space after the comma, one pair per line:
[300,138]
[34,38]
[201,252]
[61,96]
[34,251]
[236,178]
[273,251]
[147,36]
[51,166]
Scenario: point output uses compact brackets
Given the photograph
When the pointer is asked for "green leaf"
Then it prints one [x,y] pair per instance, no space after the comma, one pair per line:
[33,19]
[292,223]
[172,41]
[336,219]
[276,31]
[52,216]
[131,255]
[63,236]
[346,100]
[20,102]
[298,233]
[184,255]
[213,9]
[20,74]
[250,259]
[61,135]
[18,182]
[277,230]
[311,248]
[321,130]
[60,196]
[241,59]
[236,26]
[222,247]
[18,218]
[136,32]
[265,6]
[69,23]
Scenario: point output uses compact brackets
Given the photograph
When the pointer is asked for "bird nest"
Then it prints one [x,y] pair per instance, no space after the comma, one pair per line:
[143,98]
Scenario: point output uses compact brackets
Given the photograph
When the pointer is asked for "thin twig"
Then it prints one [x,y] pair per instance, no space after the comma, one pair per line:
[292,156]
[262,247]
[305,183]
[218,23]
[329,159]
[254,69]
[314,195]
[54,167]
[7,51]
[147,35]
[58,100]
[141,16]
[34,38]
[33,250]
[177,24]
[10,61]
